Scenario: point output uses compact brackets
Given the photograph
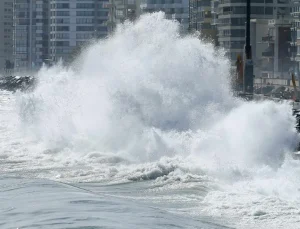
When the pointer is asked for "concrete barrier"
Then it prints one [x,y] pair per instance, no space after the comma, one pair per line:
[274,82]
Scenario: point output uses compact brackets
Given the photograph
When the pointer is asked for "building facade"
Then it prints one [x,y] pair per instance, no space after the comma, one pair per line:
[121,10]
[73,24]
[295,36]
[46,31]
[271,48]
[276,62]
[6,33]
[174,9]
[214,18]
[232,18]
[259,30]
[30,34]
[201,19]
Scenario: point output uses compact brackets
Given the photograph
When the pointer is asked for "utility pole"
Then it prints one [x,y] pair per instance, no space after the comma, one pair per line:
[248,62]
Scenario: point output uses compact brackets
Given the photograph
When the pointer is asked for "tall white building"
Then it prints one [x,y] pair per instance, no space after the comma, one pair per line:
[6,32]
[232,18]
[73,23]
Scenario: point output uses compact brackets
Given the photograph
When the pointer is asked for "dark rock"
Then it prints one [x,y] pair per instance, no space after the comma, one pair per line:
[14,83]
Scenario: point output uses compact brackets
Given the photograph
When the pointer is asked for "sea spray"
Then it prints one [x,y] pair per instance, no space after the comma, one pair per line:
[146,93]
[145,77]
[252,134]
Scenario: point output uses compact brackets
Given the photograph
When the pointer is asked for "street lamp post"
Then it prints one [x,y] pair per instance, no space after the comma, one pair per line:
[248,62]
[294,42]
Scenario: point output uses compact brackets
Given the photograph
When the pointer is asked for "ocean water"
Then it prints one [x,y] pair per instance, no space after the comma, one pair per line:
[144,132]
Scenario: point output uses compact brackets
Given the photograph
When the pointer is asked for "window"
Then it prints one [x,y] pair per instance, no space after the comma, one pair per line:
[62,43]
[85,20]
[60,13]
[85,13]
[85,6]
[80,43]
[105,13]
[102,22]
[119,13]
[62,36]
[298,34]
[62,28]
[102,29]
[61,20]
[62,5]
[84,28]
[269,10]
[84,35]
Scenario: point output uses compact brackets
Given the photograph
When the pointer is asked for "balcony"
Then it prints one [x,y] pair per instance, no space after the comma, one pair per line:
[267,68]
[268,52]
[267,38]
[283,1]
[293,49]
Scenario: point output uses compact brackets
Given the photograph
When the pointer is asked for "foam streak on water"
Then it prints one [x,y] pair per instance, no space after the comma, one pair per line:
[147,104]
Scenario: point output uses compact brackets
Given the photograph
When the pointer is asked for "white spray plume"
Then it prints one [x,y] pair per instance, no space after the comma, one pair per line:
[146,92]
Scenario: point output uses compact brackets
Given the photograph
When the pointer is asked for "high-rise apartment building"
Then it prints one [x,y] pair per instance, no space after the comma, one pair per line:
[30,34]
[258,33]
[73,23]
[121,10]
[201,19]
[6,32]
[271,48]
[232,18]
[174,9]
[295,38]
[46,31]
[214,13]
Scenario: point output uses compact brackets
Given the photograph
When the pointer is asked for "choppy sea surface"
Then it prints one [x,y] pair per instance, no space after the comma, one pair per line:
[46,204]
[142,131]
